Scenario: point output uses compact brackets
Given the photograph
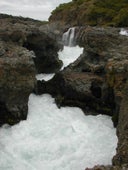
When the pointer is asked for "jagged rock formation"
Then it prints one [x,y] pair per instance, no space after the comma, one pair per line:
[17,81]
[22,44]
[30,35]
[45,49]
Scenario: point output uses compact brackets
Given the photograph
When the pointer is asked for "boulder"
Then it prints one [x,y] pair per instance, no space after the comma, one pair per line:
[87,91]
[31,35]
[17,81]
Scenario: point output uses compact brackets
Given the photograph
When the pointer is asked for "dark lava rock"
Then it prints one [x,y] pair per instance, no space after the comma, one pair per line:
[86,91]
[17,81]
[22,43]
[45,50]
[31,35]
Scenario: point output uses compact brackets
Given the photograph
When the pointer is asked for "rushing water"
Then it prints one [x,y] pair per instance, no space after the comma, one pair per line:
[57,139]
[124,32]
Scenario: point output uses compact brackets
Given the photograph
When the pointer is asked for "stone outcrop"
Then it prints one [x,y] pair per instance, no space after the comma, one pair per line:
[45,49]
[86,91]
[25,50]
[17,81]
[31,35]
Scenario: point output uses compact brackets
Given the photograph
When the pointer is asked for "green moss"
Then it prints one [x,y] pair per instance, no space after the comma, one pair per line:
[79,2]
[100,15]
[122,18]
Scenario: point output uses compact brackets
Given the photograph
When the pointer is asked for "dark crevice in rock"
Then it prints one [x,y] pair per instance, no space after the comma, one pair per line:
[6,116]
[96,90]
[45,49]
[78,89]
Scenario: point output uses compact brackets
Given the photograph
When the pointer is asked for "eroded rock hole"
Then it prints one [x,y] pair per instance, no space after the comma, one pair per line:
[96,90]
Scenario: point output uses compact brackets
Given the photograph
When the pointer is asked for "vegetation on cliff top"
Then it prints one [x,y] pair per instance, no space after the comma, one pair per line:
[20,19]
[93,12]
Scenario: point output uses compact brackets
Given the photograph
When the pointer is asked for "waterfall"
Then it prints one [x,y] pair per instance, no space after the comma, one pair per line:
[123,32]
[55,138]
[68,37]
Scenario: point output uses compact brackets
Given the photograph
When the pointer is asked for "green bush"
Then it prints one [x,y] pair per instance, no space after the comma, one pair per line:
[121,19]
[62,7]
[95,12]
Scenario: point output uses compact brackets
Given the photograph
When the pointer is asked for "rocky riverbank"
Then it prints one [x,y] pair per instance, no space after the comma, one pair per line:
[96,81]
[24,51]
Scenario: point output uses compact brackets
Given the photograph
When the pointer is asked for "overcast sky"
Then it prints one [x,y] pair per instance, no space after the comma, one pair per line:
[38,9]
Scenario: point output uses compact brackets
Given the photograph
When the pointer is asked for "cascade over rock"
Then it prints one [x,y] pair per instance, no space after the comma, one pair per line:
[69,37]
[96,81]
[87,82]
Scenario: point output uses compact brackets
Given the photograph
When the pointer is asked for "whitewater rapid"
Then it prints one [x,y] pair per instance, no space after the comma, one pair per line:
[57,139]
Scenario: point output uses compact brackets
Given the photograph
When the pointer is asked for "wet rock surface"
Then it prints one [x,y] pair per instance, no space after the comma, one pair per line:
[98,167]
[24,51]
[30,34]
[17,81]
[86,91]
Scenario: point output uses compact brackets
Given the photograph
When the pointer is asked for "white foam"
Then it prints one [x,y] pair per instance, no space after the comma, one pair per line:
[124,32]
[69,54]
[56,139]
[44,77]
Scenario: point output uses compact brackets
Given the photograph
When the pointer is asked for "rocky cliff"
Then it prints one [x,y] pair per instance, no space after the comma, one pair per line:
[24,51]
